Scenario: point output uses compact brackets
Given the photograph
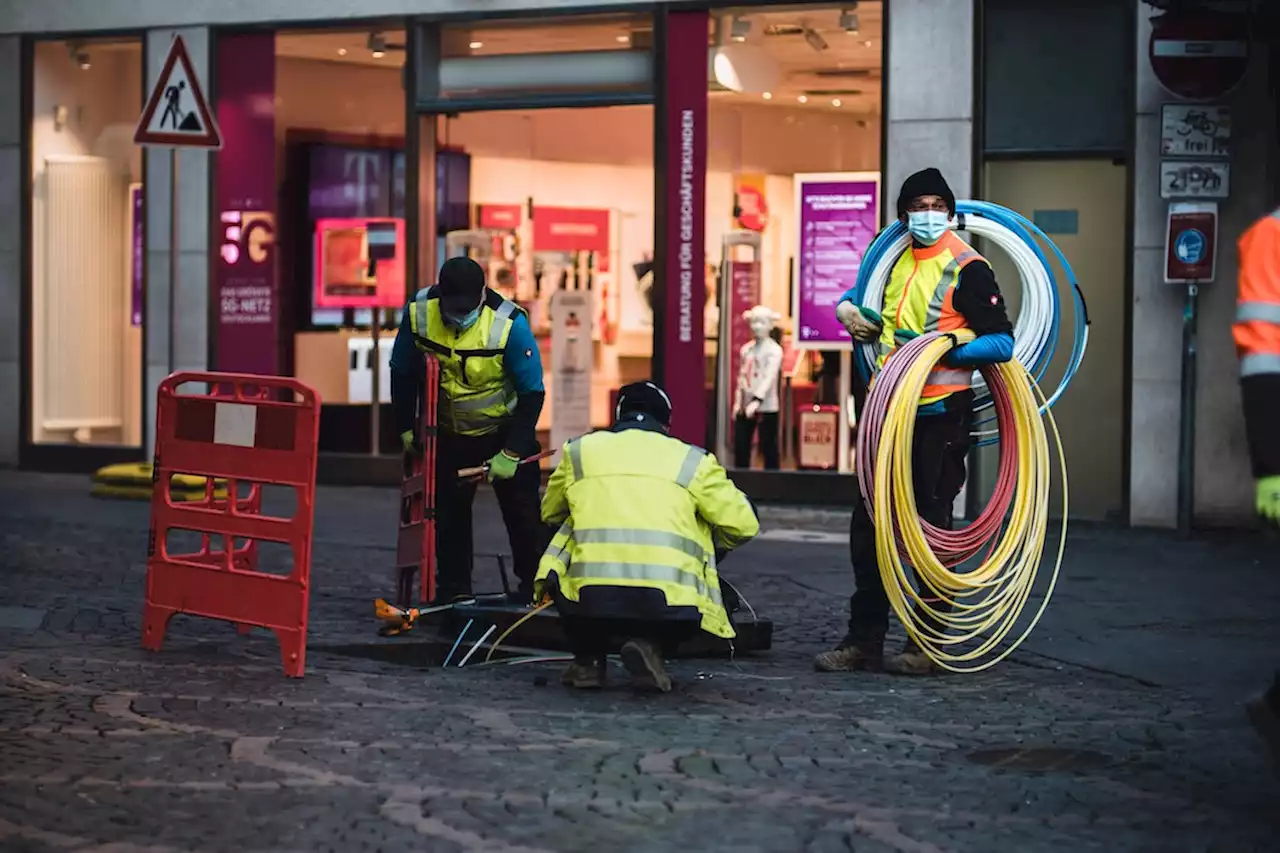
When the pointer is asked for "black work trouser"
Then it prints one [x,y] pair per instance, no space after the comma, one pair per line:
[938,456]
[518,498]
[743,431]
[590,637]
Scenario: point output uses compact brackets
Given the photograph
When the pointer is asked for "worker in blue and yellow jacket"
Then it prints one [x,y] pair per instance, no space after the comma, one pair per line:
[490,396]
[642,517]
[940,284]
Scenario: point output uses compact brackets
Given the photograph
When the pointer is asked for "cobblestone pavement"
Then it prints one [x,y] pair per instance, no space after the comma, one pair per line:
[1117,728]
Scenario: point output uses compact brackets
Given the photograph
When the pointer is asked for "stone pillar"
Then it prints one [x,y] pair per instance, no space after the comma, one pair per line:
[191,316]
[1224,492]
[929,115]
[11,205]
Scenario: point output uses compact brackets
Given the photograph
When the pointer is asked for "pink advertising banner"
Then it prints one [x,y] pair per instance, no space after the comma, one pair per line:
[683,268]
[246,287]
[839,216]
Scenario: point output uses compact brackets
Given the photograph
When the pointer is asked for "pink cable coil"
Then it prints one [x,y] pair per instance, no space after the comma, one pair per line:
[951,547]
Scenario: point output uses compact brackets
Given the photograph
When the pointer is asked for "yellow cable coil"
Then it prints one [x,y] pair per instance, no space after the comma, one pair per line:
[983,604]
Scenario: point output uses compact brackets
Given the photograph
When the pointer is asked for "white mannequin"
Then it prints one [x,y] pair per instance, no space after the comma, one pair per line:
[758,367]
[755,398]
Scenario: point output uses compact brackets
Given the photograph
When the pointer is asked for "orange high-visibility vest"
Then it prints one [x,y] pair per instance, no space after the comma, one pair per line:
[919,298]
[1257,326]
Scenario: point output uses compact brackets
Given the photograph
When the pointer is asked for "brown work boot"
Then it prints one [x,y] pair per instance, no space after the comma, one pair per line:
[911,661]
[1265,716]
[585,673]
[644,661]
[849,656]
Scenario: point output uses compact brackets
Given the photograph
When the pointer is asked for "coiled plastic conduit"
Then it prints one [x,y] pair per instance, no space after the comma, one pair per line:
[960,618]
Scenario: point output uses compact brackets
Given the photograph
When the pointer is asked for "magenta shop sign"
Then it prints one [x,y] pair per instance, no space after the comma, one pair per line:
[246,294]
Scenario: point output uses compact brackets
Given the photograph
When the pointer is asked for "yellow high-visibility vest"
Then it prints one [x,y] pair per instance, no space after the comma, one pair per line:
[476,397]
[641,509]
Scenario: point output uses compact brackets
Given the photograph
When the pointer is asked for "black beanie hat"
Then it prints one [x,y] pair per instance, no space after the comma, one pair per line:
[644,398]
[461,285]
[925,182]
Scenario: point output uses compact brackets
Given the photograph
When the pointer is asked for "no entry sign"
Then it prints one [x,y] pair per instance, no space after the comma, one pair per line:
[1199,55]
[1191,243]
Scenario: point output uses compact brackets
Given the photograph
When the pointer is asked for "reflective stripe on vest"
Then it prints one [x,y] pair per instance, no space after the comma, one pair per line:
[688,468]
[631,536]
[501,320]
[644,573]
[1258,312]
[1260,364]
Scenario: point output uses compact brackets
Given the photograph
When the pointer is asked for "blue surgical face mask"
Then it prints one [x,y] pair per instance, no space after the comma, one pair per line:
[928,226]
[466,321]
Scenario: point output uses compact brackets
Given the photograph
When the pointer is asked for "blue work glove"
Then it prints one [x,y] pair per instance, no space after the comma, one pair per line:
[503,466]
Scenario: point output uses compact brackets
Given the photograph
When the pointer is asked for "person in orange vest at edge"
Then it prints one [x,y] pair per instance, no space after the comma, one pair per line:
[939,285]
[491,394]
[1257,337]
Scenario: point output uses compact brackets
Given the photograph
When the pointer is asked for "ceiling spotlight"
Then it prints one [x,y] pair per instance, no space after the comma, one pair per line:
[739,29]
[849,21]
[804,99]
[622,39]
[82,59]
[867,43]
[815,41]
[377,45]
[342,51]
[835,102]
[768,96]
[476,45]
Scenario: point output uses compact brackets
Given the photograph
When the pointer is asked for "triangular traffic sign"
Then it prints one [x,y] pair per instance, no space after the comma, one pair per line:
[177,114]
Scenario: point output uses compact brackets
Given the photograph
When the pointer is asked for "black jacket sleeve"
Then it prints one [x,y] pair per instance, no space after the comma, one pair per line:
[522,429]
[407,375]
[978,298]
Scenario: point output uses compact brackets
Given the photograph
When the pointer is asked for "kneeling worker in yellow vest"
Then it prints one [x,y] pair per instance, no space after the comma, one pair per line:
[642,517]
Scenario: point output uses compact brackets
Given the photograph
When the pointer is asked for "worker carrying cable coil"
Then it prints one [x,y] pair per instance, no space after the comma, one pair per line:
[940,285]
[644,520]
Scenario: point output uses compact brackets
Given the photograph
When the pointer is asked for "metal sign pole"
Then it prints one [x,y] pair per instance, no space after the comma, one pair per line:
[173,258]
[1187,428]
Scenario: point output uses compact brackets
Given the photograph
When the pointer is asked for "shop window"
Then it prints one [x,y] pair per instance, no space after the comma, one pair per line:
[340,108]
[792,92]
[87,243]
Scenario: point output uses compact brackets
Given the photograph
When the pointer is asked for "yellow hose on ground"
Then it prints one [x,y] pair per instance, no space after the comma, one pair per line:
[983,604]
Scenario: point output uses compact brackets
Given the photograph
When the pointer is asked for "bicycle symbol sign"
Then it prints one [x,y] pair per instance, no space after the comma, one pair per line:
[1195,130]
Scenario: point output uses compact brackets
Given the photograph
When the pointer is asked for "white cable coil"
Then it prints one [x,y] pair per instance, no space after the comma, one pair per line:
[1034,324]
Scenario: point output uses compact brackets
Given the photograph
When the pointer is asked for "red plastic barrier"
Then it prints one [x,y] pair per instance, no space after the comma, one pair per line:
[416,543]
[256,430]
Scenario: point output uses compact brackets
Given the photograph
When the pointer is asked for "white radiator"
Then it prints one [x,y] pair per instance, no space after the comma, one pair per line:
[81,295]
